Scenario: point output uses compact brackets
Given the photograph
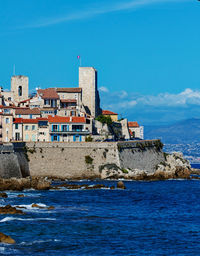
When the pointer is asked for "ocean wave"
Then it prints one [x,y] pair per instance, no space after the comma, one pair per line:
[7,251]
[30,206]
[40,241]
[21,219]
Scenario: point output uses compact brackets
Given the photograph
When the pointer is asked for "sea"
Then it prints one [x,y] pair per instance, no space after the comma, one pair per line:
[147,218]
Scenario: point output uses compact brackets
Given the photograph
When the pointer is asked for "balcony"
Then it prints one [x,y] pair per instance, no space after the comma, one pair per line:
[81,132]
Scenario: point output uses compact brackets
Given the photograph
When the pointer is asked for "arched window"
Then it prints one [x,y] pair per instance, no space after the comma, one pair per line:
[20,90]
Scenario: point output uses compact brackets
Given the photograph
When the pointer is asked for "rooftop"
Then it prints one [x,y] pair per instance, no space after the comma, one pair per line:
[70,90]
[49,93]
[107,112]
[133,124]
[27,111]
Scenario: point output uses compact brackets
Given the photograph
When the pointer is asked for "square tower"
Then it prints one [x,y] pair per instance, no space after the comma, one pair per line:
[90,94]
[19,88]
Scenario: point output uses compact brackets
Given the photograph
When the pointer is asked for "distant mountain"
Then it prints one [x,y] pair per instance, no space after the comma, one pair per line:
[183,132]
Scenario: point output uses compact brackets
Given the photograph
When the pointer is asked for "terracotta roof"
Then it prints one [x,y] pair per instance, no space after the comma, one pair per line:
[77,89]
[17,120]
[42,119]
[107,112]
[1,106]
[68,101]
[25,121]
[133,124]
[30,121]
[27,111]
[61,119]
[49,93]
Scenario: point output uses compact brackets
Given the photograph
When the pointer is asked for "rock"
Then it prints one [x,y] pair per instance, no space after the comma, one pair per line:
[182,172]
[40,184]
[8,209]
[37,206]
[3,195]
[6,239]
[50,208]
[121,185]
[112,187]
[20,195]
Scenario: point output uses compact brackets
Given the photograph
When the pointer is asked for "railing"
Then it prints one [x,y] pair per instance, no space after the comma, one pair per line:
[71,132]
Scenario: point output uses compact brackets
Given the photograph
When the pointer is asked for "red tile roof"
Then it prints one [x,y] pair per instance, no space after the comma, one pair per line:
[27,111]
[107,112]
[77,89]
[68,101]
[25,121]
[133,124]
[49,93]
[61,119]
[1,106]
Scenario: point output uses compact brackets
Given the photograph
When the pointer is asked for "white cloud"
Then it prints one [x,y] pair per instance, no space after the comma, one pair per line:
[123,100]
[91,12]
[103,89]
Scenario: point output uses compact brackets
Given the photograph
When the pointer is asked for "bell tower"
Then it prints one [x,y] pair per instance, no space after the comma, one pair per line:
[90,94]
[19,88]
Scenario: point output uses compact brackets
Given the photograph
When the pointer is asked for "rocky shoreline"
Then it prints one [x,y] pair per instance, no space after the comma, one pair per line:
[174,167]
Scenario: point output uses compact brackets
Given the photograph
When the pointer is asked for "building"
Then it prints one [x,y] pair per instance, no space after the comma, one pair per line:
[69,128]
[27,113]
[19,88]
[90,94]
[135,130]
[112,115]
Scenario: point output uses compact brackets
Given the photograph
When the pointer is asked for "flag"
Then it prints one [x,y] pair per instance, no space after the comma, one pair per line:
[78,57]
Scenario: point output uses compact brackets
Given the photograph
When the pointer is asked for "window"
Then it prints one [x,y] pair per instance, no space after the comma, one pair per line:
[17,136]
[7,111]
[16,126]
[65,128]
[33,127]
[19,115]
[55,128]
[46,102]
[31,116]
[33,138]
[26,127]
[20,90]
[77,127]
[26,137]
[7,120]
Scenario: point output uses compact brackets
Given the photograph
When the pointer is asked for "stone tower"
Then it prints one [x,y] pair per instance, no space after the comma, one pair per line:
[90,94]
[19,88]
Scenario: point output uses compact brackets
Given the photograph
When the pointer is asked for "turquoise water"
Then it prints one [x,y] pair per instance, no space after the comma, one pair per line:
[148,218]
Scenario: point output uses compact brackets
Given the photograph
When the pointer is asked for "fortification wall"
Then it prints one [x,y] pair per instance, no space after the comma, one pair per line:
[9,164]
[82,160]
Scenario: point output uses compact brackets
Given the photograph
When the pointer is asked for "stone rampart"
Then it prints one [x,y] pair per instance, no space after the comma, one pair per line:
[9,164]
[86,160]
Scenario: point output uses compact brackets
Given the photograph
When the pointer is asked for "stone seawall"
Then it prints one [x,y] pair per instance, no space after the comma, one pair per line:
[9,164]
[80,160]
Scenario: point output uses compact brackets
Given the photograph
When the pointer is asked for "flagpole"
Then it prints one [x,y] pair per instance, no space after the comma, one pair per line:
[79,58]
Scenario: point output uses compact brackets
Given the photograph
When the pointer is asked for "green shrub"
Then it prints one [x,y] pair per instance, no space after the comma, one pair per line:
[89,139]
[104,119]
[124,170]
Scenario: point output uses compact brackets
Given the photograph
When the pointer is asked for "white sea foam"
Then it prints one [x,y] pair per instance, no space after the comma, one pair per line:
[7,251]
[21,219]
[40,241]
[30,207]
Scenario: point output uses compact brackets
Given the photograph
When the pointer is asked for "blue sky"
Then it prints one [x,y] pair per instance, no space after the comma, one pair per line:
[147,52]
